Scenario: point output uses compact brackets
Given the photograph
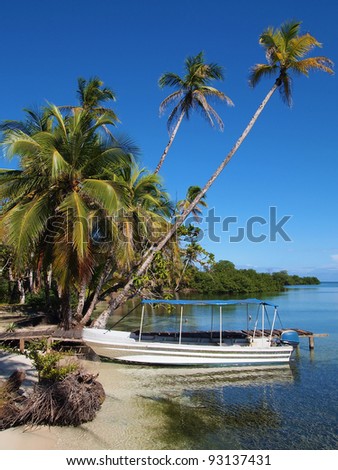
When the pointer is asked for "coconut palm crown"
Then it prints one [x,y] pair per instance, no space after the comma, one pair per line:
[193,90]
[192,93]
[285,50]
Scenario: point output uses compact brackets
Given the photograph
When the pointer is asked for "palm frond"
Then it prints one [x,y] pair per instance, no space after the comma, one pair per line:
[104,161]
[103,120]
[300,46]
[289,30]
[59,165]
[126,144]
[55,112]
[108,195]
[17,142]
[25,224]
[313,63]
[10,125]
[207,111]
[173,97]
[258,71]
[108,112]
[192,61]
[214,93]
[285,89]
[170,79]
[22,185]
[267,37]
[212,71]
[78,216]
[175,114]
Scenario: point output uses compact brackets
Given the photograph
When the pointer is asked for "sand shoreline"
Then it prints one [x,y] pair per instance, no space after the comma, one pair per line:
[124,421]
[22,438]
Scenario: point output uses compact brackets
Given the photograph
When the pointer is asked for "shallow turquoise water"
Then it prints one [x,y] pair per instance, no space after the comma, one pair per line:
[295,408]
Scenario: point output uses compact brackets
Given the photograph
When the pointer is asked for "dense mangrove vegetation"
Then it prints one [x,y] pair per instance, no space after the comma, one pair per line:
[224,278]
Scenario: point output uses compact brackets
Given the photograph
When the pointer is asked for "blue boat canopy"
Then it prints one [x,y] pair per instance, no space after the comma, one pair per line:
[208,302]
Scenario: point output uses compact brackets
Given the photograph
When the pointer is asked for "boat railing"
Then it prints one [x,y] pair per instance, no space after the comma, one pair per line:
[210,337]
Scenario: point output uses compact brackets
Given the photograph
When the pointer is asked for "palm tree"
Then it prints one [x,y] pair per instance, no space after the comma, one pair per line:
[66,179]
[142,220]
[193,91]
[192,253]
[285,50]
[92,98]
[192,192]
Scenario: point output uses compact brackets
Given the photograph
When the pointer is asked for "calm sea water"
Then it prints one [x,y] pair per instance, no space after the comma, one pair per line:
[284,407]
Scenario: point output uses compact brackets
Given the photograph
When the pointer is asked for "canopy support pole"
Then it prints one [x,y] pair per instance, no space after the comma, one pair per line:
[212,321]
[141,324]
[220,326]
[181,325]
[273,323]
[263,317]
[247,317]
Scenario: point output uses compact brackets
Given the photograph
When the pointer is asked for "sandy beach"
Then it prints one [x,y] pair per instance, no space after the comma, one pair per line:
[124,421]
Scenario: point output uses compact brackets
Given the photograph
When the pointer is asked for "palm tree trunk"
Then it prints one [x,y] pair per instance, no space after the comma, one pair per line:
[11,281]
[171,140]
[103,318]
[31,279]
[21,289]
[66,311]
[104,274]
[81,302]
[47,277]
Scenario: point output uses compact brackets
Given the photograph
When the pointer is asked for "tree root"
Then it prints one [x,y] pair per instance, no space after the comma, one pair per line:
[70,402]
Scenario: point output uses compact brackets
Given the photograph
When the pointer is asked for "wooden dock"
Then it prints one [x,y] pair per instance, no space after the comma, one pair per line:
[71,338]
[301,333]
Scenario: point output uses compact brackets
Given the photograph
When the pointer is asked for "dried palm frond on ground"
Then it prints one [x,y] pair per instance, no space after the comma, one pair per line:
[68,402]
[12,384]
[10,397]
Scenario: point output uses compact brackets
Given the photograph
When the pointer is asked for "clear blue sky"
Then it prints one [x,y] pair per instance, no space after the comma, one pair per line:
[289,161]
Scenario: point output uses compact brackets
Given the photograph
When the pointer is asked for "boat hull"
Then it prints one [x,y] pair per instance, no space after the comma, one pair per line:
[121,346]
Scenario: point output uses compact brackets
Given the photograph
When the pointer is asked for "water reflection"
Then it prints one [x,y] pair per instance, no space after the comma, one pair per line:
[164,380]
[204,409]
[207,425]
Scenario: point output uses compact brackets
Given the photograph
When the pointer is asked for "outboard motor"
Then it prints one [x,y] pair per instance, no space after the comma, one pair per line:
[290,337]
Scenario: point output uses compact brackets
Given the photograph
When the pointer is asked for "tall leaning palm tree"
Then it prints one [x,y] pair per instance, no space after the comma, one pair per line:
[192,93]
[285,51]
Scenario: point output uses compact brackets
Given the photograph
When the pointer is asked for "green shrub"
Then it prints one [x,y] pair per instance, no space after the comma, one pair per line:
[51,365]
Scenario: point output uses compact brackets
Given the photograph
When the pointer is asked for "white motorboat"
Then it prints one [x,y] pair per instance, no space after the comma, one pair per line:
[215,346]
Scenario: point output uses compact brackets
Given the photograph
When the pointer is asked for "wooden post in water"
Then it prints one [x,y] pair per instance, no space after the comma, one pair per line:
[312,339]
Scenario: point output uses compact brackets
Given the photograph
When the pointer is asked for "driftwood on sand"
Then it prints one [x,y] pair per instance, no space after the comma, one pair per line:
[68,402]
